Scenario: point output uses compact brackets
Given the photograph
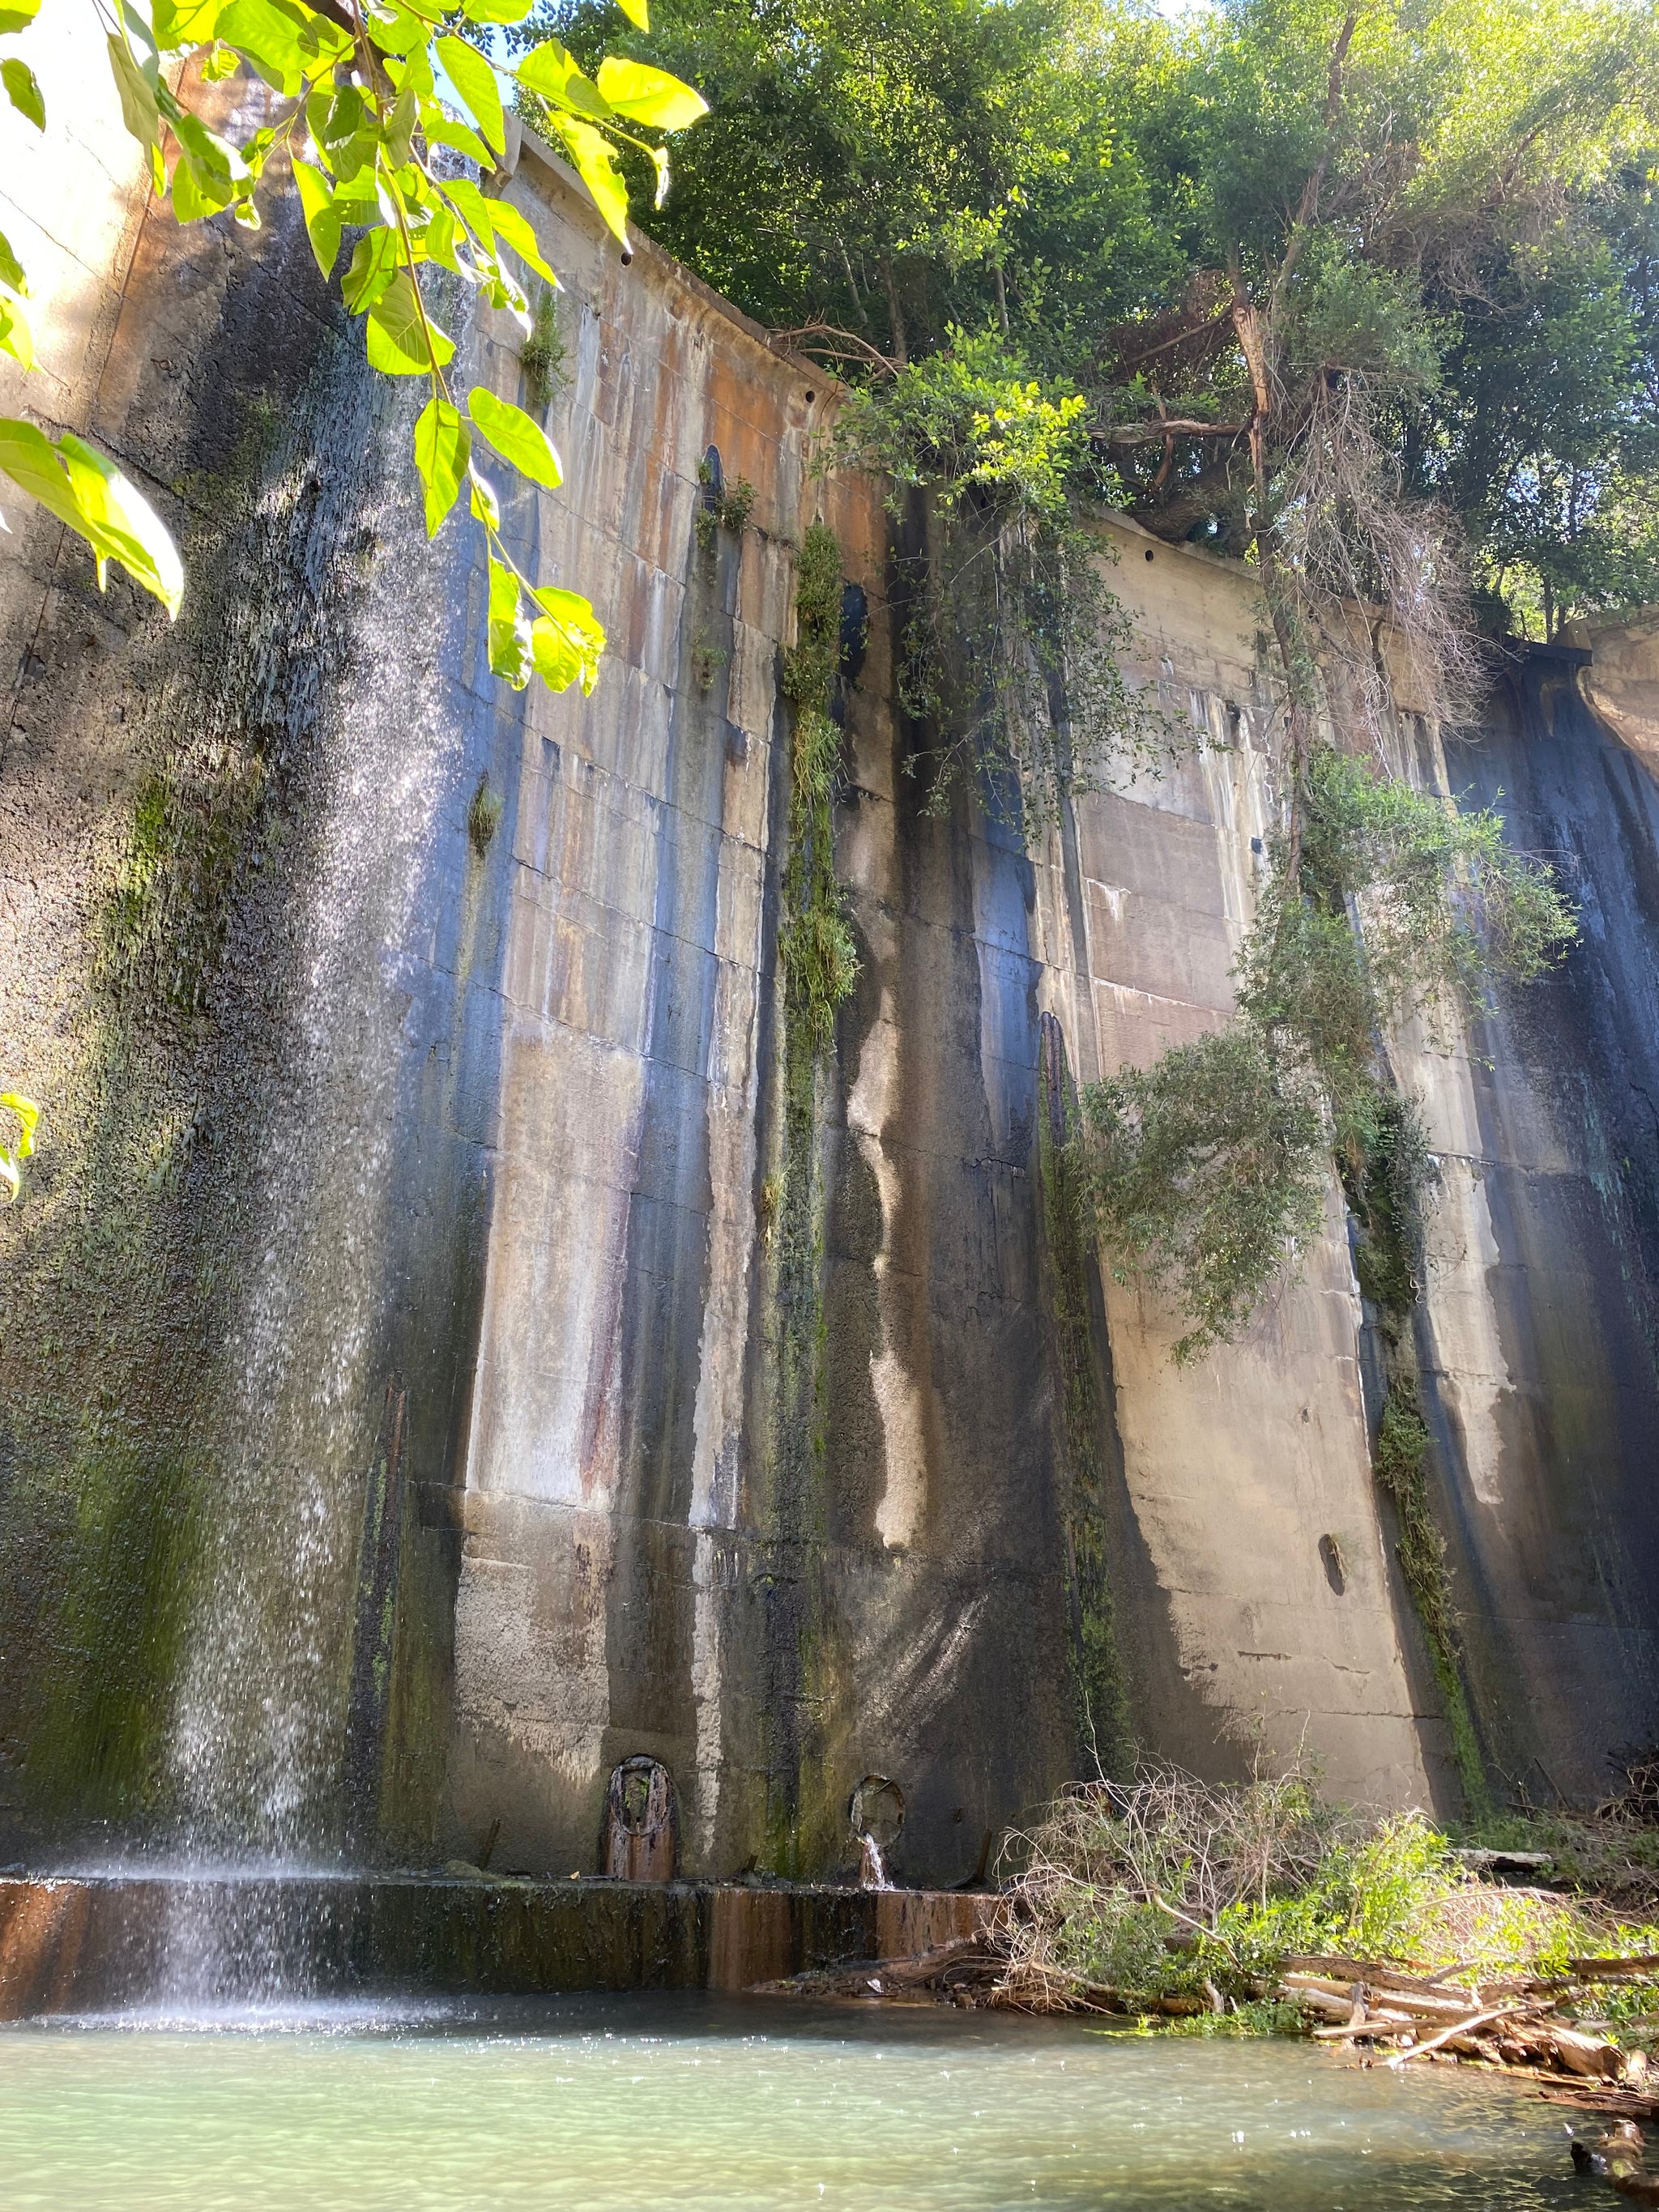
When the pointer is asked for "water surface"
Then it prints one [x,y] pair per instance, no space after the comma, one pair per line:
[647,2103]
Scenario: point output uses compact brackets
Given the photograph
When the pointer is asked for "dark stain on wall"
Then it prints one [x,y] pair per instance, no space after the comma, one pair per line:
[1557,1578]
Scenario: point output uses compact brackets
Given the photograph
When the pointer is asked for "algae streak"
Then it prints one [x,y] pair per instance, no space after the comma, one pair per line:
[820,965]
[1104,1732]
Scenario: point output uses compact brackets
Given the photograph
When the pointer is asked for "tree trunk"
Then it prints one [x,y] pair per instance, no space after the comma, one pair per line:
[894,314]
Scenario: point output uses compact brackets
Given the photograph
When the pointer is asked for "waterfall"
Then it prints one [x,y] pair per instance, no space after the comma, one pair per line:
[329,622]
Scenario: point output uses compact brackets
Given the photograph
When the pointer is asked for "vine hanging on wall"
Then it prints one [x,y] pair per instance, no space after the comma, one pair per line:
[820,962]
[1207,1170]
[1008,650]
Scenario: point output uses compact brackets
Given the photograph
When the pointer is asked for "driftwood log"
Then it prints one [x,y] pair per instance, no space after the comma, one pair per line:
[1515,2022]
[963,1973]
[1620,2157]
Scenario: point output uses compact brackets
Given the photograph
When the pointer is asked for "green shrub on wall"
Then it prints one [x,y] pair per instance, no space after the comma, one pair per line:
[1206,1170]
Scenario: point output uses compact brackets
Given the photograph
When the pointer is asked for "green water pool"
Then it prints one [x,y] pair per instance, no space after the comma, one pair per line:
[643,2104]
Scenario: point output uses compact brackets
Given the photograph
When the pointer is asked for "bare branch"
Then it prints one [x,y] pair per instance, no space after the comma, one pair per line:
[828,343]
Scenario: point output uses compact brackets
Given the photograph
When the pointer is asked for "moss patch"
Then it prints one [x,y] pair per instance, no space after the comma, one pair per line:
[1100,1704]
[99,1747]
[818,964]
[542,359]
[1399,1457]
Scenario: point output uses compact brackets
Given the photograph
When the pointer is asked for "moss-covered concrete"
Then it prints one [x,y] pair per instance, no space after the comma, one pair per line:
[90,1945]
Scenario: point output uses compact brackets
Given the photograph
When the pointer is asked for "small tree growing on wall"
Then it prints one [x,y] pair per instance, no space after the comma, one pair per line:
[1206,1169]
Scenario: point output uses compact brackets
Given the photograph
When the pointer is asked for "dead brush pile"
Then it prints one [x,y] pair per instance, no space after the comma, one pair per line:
[1152,1888]
[1261,1908]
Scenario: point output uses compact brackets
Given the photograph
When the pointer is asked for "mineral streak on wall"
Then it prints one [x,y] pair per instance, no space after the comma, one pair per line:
[438,1368]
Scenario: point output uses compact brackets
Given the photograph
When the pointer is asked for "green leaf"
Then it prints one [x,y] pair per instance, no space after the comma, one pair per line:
[496,11]
[24,91]
[322,216]
[181,26]
[438,240]
[443,449]
[516,436]
[319,45]
[649,95]
[13,1156]
[12,268]
[596,164]
[567,640]
[18,19]
[375,262]
[401,125]
[222,62]
[15,335]
[556,656]
[28,1118]
[637,13]
[216,156]
[509,633]
[397,31]
[332,117]
[268,36]
[193,194]
[255,150]
[353,164]
[415,69]
[486,507]
[89,493]
[475,81]
[208,175]
[441,130]
[511,228]
[477,213]
[550,71]
[505,293]
[397,335]
[138,109]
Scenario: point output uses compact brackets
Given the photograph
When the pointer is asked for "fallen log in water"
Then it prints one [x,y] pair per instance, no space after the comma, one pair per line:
[1620,2158]
[1578,2096]
[1513,2022]
[964,1971]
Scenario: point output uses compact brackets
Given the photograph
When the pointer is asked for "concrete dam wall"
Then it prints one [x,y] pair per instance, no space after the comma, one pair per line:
[455,1344]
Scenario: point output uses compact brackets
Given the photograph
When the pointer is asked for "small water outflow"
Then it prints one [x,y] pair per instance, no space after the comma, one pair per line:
[875,1813]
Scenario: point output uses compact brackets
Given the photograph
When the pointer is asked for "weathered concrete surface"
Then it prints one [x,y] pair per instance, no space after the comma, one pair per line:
[88,1944]
[1538,1324]
[1621,679]
[401,1425]
[1236,1466]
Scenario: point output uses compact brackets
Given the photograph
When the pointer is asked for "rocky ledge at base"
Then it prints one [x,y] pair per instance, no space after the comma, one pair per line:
[114,1941]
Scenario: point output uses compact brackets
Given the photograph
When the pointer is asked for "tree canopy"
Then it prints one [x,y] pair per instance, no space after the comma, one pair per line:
[1437,220]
